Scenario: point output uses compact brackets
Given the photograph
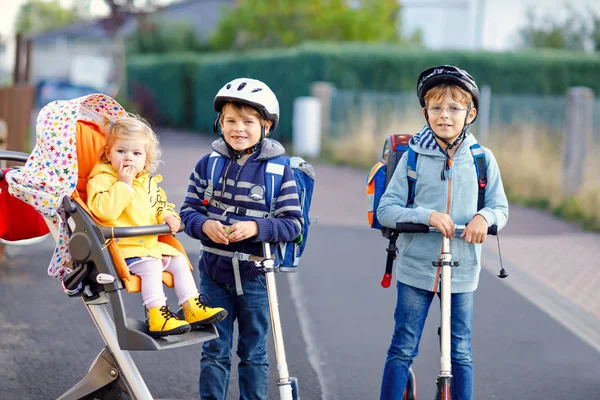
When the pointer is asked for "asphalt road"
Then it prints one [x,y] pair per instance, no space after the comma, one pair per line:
[335,344]
[337,320]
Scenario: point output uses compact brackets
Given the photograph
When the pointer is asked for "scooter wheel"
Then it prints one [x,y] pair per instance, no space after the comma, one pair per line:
[410,393]
[295,392]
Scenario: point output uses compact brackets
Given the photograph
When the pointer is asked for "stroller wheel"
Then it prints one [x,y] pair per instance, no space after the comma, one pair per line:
[295,393]
[112,391]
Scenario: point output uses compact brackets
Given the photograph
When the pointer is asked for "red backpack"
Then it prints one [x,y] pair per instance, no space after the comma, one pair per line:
[18,220]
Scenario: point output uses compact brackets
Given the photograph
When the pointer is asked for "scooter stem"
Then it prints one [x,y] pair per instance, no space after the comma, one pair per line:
[283,375]
[445,292]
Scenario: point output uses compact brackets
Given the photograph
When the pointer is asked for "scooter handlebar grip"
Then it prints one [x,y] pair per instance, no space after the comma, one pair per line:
[493,230]
[386,281]
[408,227]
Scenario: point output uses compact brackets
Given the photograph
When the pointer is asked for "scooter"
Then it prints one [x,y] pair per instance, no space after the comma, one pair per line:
[288,386]
[444,379]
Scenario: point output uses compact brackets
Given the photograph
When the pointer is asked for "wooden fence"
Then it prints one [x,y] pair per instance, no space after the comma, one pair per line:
[16,104]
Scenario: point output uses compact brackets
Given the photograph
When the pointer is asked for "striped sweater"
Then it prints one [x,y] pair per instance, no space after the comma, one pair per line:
[242,180]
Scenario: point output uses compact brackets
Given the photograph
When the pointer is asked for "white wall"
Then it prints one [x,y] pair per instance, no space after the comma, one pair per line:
[54,60]
[444,24]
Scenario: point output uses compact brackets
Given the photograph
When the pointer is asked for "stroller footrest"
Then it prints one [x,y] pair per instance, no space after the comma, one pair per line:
[137,337]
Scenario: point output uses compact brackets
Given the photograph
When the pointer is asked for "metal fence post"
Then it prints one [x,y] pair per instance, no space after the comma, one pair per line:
[483,114]
[577,137]
[323,91]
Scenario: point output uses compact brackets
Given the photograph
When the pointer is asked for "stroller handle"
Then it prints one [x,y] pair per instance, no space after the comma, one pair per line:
[7,155]
[148,230]
[407,227]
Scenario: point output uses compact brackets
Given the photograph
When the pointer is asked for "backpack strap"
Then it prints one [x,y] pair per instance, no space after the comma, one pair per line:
[273,178]
[412,175]
[216,162]
[479,158]
[392,249]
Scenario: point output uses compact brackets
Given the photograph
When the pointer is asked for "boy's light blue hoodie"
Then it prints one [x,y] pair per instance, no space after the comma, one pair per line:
[456,195]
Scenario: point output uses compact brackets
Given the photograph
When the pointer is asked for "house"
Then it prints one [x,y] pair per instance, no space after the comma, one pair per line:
[84,52]
[452,24]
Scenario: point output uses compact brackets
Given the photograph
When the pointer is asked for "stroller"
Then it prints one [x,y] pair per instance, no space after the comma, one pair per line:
[89,264]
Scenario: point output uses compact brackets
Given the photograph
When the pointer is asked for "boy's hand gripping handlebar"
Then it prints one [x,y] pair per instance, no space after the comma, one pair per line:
[407,227]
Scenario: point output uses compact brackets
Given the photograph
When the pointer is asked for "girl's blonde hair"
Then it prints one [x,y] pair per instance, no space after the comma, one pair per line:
[132,127]
[243,109]
[460,95]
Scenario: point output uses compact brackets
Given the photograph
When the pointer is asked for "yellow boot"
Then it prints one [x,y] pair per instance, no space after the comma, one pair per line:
[197,313]
[163,322]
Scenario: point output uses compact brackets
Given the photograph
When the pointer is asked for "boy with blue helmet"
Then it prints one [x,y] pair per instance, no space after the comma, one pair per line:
[449,98]
[231,216]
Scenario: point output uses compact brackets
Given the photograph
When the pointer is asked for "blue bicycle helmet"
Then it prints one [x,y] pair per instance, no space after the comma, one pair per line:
[446,74]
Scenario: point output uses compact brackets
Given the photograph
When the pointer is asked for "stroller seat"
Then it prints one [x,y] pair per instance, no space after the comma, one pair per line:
[90,140]
[86,261]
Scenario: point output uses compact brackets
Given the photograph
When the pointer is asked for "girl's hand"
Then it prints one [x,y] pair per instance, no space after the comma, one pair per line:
[126,174]
[242,230]
[476,231]
[214,230]
[443,223]
[173,223]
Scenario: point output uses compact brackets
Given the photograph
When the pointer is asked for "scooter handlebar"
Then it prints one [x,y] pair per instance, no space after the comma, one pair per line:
[408,227]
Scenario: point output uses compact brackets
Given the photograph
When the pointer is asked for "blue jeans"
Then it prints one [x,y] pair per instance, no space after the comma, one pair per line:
[411,311]
[252,313]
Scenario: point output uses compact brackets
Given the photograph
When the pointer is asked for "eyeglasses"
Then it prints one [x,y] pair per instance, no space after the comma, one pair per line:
[437,110]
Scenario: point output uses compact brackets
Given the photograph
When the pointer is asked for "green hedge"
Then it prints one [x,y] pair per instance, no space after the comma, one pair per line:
[183,86]
[161,87]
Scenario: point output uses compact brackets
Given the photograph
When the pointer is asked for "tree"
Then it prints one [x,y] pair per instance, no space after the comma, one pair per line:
[576,32]
[38,15]
[120,11]
[284,23]
[161,37]
[595,34]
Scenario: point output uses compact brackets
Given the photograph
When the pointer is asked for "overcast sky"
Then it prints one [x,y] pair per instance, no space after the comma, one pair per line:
[501,20]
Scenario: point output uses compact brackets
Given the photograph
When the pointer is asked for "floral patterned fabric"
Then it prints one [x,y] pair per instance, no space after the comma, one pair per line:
[51,171]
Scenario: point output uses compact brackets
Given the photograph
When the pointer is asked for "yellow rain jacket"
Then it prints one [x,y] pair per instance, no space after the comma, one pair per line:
[116,204]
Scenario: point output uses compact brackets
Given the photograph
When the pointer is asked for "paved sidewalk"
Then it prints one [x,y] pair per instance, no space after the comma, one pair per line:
[550,262]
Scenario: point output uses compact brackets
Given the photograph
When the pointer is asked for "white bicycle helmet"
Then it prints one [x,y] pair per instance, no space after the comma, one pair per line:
[251,92]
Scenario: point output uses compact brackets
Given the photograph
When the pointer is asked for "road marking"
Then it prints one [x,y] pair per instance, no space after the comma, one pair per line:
[317,356]
[569,315]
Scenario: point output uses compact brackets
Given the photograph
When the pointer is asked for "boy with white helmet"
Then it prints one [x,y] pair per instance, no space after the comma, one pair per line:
[231,217]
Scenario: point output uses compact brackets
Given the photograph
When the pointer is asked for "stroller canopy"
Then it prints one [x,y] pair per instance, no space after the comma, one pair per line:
[53,171]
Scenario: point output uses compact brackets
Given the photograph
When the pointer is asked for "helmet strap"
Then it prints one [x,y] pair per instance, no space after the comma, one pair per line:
[449,145]
[216,125]
[236,155]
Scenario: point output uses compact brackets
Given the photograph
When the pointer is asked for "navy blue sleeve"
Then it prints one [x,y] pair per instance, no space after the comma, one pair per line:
[193,212]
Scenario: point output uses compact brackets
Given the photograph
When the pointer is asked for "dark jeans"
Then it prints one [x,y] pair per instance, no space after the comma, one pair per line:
[411,311]
[252,313]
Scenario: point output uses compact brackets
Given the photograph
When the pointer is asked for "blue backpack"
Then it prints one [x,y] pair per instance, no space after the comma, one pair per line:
[287,255]
[381,173]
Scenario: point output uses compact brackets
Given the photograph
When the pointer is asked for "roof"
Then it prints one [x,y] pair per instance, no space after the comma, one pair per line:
[88,30]
[201,14]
